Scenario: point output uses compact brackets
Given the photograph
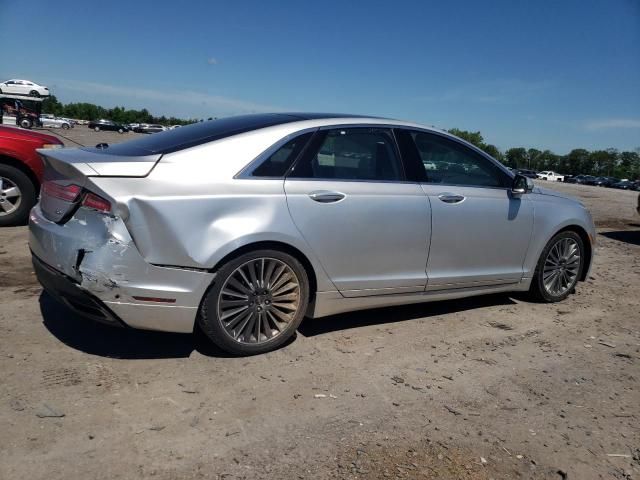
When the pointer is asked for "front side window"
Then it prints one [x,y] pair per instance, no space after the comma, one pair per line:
[351,154]
[449,162]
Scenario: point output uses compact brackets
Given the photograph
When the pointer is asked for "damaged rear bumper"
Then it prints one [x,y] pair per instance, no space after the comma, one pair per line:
[67,291]
[103,272]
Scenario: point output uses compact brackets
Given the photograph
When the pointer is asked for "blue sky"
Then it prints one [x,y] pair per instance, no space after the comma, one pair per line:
[546,74]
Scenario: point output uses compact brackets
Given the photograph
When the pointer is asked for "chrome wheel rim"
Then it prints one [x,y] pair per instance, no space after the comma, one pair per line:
[259,300]
[561,267]
[10,197]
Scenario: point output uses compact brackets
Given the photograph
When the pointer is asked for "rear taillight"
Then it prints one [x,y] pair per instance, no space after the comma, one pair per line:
[68,193]
[91,200]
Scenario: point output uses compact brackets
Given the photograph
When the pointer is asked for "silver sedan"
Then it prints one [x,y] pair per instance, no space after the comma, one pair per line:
[246,225]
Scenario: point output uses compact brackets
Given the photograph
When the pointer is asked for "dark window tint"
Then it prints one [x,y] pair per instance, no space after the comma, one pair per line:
[351,154]
[196,134]
[279,162]
[449,162]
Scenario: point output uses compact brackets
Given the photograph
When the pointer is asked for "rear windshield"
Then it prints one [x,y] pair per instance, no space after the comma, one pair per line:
[196,134]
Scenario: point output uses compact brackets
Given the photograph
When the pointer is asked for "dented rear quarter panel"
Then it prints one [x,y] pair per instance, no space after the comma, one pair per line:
[97,252]
[191,212]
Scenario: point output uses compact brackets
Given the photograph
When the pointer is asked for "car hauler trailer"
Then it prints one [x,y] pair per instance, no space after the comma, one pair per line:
[20,111]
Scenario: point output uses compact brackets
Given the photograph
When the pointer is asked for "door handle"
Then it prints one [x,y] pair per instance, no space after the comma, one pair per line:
[451,197]
[324,196]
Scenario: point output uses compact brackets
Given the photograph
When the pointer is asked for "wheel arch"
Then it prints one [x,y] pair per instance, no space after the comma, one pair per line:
[280,246]
[586,241]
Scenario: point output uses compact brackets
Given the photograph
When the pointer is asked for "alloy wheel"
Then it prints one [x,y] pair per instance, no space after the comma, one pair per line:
[561,267]
[259,300]
[10,197]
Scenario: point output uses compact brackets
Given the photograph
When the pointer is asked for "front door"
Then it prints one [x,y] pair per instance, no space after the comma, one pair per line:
[368,227]
[480,230]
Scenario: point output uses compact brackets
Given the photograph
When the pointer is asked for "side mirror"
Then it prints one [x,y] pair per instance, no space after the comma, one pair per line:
[521,185]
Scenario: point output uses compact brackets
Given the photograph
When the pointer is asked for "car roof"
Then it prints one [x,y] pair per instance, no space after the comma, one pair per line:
[209,131]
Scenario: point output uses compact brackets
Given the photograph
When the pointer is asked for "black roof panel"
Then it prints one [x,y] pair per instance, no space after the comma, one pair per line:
[204,132]
[196,134]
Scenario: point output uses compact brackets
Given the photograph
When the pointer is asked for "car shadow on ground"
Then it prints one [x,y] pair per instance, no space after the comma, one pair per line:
[388,315]
[626,236]
[127,343]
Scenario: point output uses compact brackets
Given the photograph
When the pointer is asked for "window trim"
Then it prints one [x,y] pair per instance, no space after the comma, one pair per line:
[396,149]
[463,144]
[246,172]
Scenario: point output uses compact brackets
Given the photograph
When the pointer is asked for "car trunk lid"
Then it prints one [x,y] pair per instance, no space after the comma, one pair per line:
[68,172]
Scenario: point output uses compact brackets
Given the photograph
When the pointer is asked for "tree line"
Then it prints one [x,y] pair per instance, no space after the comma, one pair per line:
[609,163]
[89,111]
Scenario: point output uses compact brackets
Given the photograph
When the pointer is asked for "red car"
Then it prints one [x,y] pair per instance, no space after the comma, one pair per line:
[20,172]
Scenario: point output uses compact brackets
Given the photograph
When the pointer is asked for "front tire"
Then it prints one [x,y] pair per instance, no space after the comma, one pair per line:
[96,129]
[34,93]
[17,196]
[120,131]
[256,302]
[65,126]
[26,123]
[559,268]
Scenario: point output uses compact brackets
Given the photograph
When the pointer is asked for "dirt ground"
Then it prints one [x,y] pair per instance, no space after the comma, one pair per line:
[83,136]
[490,387]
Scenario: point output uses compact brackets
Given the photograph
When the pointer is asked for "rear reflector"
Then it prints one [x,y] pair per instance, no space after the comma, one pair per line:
[156,299]
[64,192]
[91,200]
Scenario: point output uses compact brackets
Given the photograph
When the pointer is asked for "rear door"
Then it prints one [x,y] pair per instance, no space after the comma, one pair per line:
[480,230]
[369,226]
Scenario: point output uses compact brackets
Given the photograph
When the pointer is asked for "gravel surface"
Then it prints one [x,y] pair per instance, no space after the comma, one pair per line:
[490,387]
[83,136]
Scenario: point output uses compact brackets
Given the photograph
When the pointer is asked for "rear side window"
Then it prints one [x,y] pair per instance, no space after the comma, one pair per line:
[351,154]
[278,163]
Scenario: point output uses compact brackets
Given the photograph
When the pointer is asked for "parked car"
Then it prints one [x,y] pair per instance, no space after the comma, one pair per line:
[108,125]
[551,176]
[603,181]
[51,121]
[71,121]
[526,173]
[580,179]
[23,87]
[249,223]
[624,185]
[150,128]
[20,171]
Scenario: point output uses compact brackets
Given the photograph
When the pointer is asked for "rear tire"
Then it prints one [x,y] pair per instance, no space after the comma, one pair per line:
[256,302]
[96,129]
[559,268]
[15,210]
[120,131]
[26,123]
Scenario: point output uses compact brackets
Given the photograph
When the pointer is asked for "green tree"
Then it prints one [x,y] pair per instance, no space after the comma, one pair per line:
[52,105]
[577,161]
[517,157]
[475,138]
